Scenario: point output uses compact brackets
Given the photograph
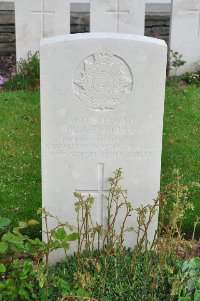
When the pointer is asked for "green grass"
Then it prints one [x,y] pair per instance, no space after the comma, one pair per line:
[114,277]
[20,172]
[181,141]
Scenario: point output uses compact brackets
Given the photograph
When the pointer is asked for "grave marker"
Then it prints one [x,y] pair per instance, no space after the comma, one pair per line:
[120,16]
[102,103]
[38,19]
[185,33]
[100,193]
[43,12]
[197,10]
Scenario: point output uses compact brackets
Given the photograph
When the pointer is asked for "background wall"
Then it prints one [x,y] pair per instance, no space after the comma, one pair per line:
[7,28]
[157,21]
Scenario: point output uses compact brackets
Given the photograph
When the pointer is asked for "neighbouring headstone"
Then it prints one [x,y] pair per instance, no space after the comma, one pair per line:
[102,104]
[120,16]
[36,19]
[185,33]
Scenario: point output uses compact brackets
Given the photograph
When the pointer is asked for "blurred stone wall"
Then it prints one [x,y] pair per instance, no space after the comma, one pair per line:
[7,29]
[157,25]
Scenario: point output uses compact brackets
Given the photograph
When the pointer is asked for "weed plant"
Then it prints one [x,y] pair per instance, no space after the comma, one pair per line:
[27,76]
[103,268]
[176,61]
[113,272]
[192,78]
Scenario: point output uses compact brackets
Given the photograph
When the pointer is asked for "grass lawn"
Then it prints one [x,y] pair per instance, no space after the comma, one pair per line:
[20,173]
[181,141]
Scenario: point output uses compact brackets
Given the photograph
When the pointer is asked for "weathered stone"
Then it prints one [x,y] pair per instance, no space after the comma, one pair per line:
[7,38]
[149,22]
[157,17]
[158,36]
[37,19]
[7,18]
[125,16]
[87,29]
[160,30]
[158,8]
[77,28]
[102,103]
[164,38]
[7,5]
[80,20]
[185,33]
[9,28]
[7,48]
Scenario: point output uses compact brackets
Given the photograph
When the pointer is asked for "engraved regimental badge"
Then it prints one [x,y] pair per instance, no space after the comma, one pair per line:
[103,81]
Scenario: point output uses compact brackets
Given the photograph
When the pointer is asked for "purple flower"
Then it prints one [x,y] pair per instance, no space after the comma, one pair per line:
[2,80]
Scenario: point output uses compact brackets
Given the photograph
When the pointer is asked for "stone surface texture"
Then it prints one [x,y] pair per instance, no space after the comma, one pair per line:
[185,33]
[120,16]
[38,19]
[102,103]
[156,25]
[7,29]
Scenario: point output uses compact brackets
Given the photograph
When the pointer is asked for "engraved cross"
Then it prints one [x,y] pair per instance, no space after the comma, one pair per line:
[100,192]
[118,12]
[42,12]
[198,11]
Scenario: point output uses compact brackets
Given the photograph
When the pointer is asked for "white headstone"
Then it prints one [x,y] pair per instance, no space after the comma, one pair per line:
[102,103]
[185,32]
[36,19]
[120,16]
